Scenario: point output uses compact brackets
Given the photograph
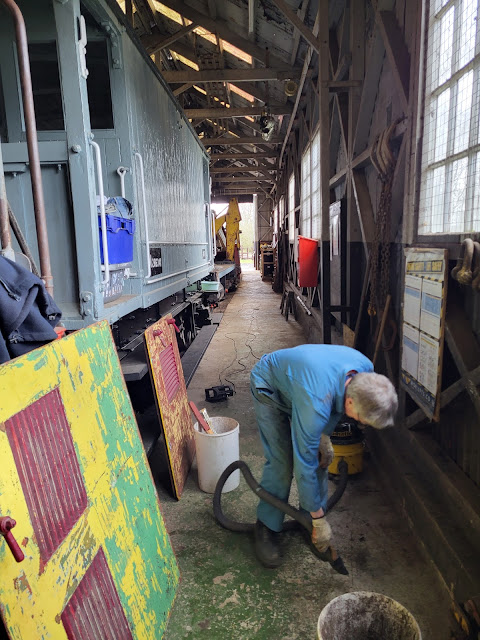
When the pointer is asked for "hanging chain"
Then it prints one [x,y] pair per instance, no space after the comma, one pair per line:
[385,257]
[384,162]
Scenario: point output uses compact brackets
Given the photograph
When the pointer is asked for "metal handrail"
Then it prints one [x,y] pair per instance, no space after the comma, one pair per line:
[144,206]
[103,217]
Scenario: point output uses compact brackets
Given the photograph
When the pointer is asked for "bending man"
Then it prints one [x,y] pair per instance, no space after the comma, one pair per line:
[300,395]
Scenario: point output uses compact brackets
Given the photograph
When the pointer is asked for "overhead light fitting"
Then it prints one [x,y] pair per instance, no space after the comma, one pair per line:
[267,124]
[290,88]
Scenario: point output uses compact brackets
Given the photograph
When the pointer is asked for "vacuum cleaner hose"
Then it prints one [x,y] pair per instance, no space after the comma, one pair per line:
[299,517]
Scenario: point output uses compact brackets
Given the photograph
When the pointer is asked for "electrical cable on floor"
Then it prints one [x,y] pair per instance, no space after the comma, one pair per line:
[237,359]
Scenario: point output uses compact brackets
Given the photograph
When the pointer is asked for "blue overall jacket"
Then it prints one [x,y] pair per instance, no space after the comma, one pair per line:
[308,383]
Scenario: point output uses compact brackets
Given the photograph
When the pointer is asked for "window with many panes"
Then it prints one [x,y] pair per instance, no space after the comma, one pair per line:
[305,195]
[450,179]
[281,212]
[291,207]
[310,217]
[316,212]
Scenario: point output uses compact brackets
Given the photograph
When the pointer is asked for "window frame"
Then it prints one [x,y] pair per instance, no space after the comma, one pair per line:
[291,207]
[305,226]
[449,239]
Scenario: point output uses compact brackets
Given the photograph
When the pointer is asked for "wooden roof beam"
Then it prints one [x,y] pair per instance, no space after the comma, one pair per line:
[229,75]
[166,42]
[243,156]
[233,142]
[245,179]
[309,36]
[181,89]
[236,170]
[235,112]
[222,29]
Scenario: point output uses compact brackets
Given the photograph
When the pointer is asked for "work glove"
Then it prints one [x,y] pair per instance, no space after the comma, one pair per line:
[326,451]
[321,534]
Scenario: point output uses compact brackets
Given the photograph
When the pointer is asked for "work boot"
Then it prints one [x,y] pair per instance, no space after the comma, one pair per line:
[267,547]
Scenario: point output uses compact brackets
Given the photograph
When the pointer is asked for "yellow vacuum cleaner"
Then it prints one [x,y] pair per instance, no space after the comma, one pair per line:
[348,445]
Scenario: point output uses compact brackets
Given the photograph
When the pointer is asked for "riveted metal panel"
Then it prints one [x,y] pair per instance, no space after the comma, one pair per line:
[173,159]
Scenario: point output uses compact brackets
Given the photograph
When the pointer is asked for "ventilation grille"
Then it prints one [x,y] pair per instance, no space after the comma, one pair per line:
[170,375]
[94,612]
[48,469]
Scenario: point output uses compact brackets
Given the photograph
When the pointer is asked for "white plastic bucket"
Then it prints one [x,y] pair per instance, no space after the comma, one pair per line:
[215,452]
[364,614]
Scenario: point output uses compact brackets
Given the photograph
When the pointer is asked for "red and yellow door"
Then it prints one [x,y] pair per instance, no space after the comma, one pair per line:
[73,475]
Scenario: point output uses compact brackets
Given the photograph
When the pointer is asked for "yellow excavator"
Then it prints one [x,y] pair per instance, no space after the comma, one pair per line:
[227,233]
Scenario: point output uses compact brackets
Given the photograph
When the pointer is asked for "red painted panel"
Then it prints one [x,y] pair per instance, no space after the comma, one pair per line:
[48,469]
[169,372]
[94,612]
[307,262]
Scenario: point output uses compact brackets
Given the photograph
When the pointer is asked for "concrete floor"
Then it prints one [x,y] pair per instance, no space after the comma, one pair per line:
[224,592]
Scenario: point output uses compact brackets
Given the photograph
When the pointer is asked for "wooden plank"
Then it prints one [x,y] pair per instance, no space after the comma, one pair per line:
[452,333]
[244,179]
[364,207]
[298,24]
[235,112]
[243,156]
[234,142]
[397,53]
[164,43]
[369,93]
[230,75]
[222,29]
[324,123]
[183,88]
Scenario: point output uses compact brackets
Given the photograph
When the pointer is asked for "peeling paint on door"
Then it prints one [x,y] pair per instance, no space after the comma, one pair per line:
[75,478]
[171,397]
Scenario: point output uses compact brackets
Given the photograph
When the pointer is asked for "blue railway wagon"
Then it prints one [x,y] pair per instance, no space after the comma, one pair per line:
[104,115]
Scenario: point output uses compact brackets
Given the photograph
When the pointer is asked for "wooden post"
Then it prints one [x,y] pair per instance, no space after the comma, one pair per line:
[324,123]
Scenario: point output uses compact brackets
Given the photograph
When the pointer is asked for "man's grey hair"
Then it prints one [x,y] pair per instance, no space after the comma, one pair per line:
[375,399]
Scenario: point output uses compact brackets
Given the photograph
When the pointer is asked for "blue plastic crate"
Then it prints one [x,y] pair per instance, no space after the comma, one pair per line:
[120,232]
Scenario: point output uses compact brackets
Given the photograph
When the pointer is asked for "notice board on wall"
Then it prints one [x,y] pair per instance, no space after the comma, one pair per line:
[423,327]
